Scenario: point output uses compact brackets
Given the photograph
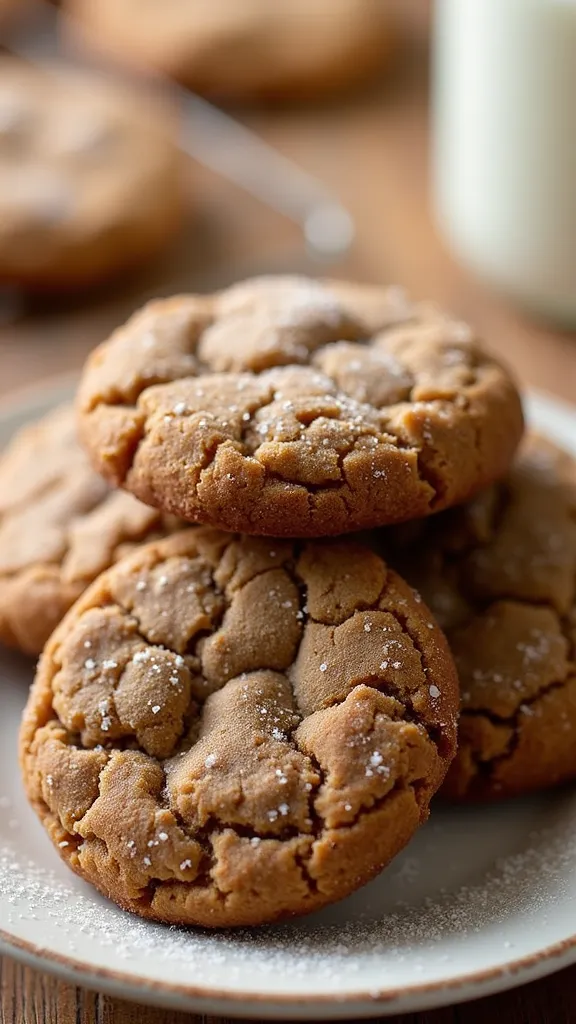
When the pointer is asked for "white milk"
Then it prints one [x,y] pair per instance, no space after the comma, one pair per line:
[505,144]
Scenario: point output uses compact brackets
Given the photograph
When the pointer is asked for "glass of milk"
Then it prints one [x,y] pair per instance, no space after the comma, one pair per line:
[504,152]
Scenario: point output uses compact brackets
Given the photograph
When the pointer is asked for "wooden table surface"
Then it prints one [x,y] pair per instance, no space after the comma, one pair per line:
[372,151]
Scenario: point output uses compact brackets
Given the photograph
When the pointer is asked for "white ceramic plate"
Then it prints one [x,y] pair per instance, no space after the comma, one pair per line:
[482,900]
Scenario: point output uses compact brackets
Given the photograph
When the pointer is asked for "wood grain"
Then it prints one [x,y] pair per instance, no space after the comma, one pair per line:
[27,997]
[373,152]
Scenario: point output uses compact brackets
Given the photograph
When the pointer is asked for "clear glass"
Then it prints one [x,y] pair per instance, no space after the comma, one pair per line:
[504,154]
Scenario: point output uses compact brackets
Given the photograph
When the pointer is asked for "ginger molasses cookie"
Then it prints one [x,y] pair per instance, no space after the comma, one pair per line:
[60,526]
[286,406]
[500,576]
[272,718]
[249,50]
[89,178]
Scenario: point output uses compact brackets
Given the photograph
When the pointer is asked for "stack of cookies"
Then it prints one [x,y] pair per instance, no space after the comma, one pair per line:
[246,718]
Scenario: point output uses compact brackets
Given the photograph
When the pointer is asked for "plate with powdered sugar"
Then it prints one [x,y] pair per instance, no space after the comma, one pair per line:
[482,899]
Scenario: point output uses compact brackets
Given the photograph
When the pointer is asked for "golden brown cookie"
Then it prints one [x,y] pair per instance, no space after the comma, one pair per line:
[249,50]
[272,719]
[286,406]
[60,526]
[500,576]
[90,178]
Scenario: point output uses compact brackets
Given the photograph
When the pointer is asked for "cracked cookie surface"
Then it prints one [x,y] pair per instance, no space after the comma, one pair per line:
[500,576]
[89,177]
[228,730]
[290,407]
[60,526]
[249,50]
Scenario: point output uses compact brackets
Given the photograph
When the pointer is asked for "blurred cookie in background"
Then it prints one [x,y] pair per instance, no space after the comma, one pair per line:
[245,51]
[91,180]
[60,526]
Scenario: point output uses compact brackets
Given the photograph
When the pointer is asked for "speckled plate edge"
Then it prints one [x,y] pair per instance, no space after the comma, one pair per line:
[558,419]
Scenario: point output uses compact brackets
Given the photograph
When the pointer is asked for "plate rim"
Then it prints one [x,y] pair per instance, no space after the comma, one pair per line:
[366,1003]
[195,998]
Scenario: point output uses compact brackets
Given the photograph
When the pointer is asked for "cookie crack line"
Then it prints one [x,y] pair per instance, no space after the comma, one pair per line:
[229,782]
[72,527]
[500,573]
[342,486]
[511,720]
[433,732]
[289,567]
[215,827]
[279,357]
[205,370]
[485,767]
[480,607]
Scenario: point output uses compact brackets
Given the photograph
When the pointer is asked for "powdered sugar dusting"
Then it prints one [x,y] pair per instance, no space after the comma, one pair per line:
[404,921]
[475,889]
